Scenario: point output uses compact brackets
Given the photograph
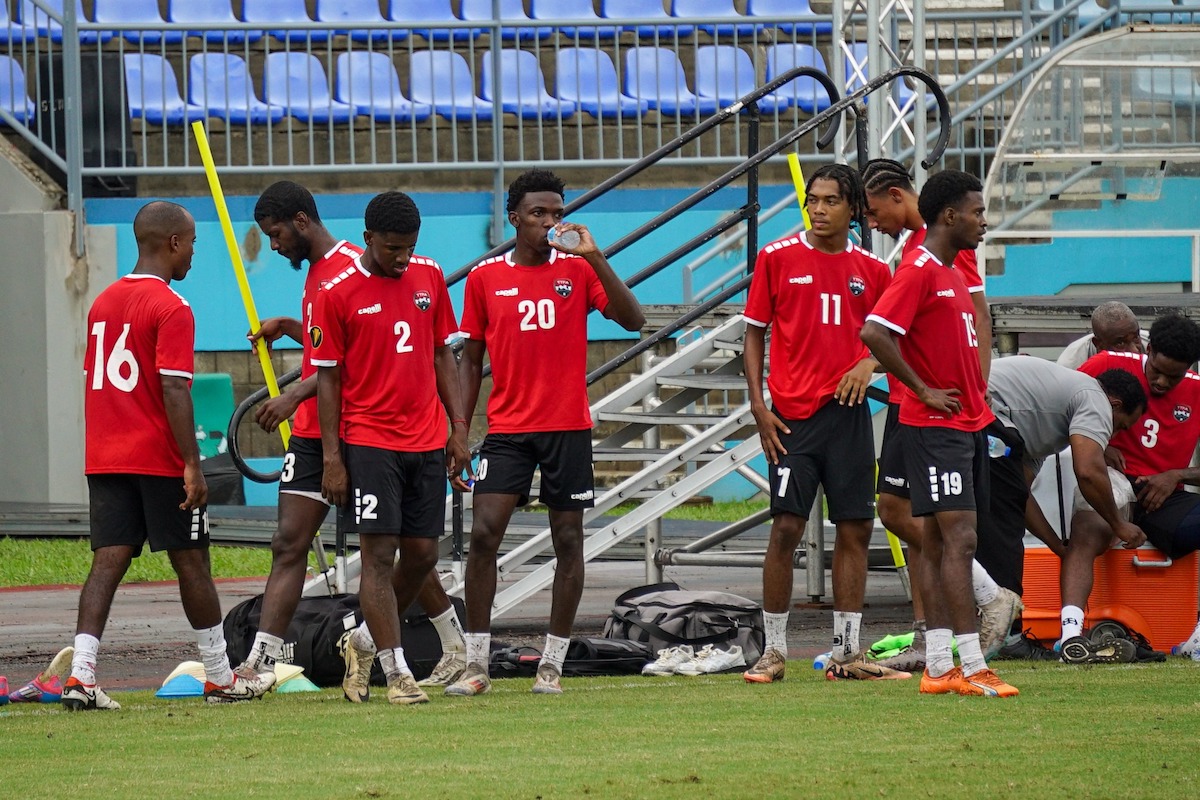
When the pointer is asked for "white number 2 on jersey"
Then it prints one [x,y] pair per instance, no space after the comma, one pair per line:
[121,367]
[403,332]
[536,316]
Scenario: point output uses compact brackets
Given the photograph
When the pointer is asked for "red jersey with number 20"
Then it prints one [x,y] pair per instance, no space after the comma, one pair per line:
[1165,437]
[816,303]
[929,306]
[336,261]
[138,330]
[533,321]
[382,333]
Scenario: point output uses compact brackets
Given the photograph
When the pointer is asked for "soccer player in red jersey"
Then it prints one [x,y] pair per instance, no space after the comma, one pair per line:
[386,378]
[141,459]
[892,210]
[528,309]
[814,291]
[287,215]
[1156,456]
[942,417]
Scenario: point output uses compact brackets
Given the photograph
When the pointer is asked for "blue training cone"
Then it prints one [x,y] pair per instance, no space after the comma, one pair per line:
[181,686]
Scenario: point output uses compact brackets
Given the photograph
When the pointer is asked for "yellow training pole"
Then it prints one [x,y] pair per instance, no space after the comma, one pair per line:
[235,255]
[798,179]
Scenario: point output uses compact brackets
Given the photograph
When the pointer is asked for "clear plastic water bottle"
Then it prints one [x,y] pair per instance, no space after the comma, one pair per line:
[821,662]
[568,238]
[997,448]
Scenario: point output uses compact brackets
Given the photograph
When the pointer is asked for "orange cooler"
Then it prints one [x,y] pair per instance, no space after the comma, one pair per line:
[1142,589]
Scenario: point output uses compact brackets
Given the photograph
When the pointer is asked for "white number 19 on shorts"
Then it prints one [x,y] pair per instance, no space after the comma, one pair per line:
[948,483]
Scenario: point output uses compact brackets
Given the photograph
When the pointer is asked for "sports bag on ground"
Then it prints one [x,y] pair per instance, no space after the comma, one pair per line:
[591,655]
[662,615]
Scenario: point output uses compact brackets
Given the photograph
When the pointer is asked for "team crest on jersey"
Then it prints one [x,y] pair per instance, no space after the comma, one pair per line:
[857,285]
[563,287]
[1182,413]
[422,299]
[315,336]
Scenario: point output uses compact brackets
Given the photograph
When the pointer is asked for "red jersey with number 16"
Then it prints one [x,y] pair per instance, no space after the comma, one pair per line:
[929,306]
[382,332]
[138,330]
[533,321]
[816,303]
[337,260]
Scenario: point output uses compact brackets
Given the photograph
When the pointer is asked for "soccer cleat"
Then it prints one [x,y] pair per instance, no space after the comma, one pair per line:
[668,660]
[1143,651]
[710,660]
[403,691]
[42,689]
[473,681]
[996,619]
[1026,648]
[1109,650]
[859,669]
[449,667]
[247,685]
[356,685]
[60,665]
[546,681]
[769,668]
[78,696]
[986,683]
[910,659]
[950,683]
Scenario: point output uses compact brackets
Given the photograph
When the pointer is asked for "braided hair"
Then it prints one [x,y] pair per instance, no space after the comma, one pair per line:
[881,174]
[849,184]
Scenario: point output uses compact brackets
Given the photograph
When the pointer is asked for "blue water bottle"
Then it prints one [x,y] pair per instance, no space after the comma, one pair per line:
[821,662]
[997,448]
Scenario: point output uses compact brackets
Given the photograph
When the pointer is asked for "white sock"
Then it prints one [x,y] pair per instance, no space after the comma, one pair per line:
[845,635]
[986,589]
[775,626]
[939,657]
[83,663]
[211,643]
[449,630]
[555,652]
[479,649]
[393,663]
[363,639]
[1072,622]
[970,654]
[265,651]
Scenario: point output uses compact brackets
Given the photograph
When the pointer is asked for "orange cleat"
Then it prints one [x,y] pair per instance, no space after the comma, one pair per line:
[986,683]
[950,683]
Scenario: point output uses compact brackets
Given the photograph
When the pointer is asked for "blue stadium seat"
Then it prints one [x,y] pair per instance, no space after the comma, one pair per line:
[275,12]
[363,13]
[856,74]
[13,31]
[655,74]
[788,8]
[14,96]
[210,12]
[435,11]
[727,22]
[444,80]
[296,81]
[368,82]
[640,9]
[1161,80]
[134,12]
[34,17]
[510,11]
[803,92]
[153,92]
[554,10]
[726,73]
[586,77]
[221,84]
[521,87]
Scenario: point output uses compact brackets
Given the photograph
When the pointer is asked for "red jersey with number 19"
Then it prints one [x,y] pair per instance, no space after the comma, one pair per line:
[336,261]
[533,321]
[382,333]
[929,306]
[816,303]
[138,330]
[1165,436]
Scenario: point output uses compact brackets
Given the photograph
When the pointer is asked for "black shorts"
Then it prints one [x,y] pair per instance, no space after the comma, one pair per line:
[131,510]
[393,493]
[947,469]
[1175,527]
[303,468]
[893,478]
[507,462]
[1000,539]
[834,448]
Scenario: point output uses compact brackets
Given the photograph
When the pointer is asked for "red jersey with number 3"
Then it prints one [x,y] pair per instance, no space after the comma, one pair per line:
[336,261]
[816,304]
[929,307]
[138,329]
[533,321]
[382,332]
[1165,437]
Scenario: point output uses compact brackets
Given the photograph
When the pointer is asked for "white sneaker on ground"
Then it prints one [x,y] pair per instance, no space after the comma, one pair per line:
[710,660]
[449,668]
[669,660]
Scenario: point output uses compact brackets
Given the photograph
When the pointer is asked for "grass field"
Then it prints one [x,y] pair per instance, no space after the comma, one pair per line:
[1106,732]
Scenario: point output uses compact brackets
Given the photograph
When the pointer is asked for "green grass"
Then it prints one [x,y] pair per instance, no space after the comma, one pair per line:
[713,512]
[1112,732]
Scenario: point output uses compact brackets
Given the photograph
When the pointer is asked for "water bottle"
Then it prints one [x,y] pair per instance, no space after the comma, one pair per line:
[568,238]
[821,662]
[997,448]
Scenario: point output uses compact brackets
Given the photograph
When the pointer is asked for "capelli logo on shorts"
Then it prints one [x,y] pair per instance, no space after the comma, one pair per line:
[582,495]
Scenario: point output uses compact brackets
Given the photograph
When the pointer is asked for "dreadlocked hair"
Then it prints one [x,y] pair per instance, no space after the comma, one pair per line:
[849,184]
